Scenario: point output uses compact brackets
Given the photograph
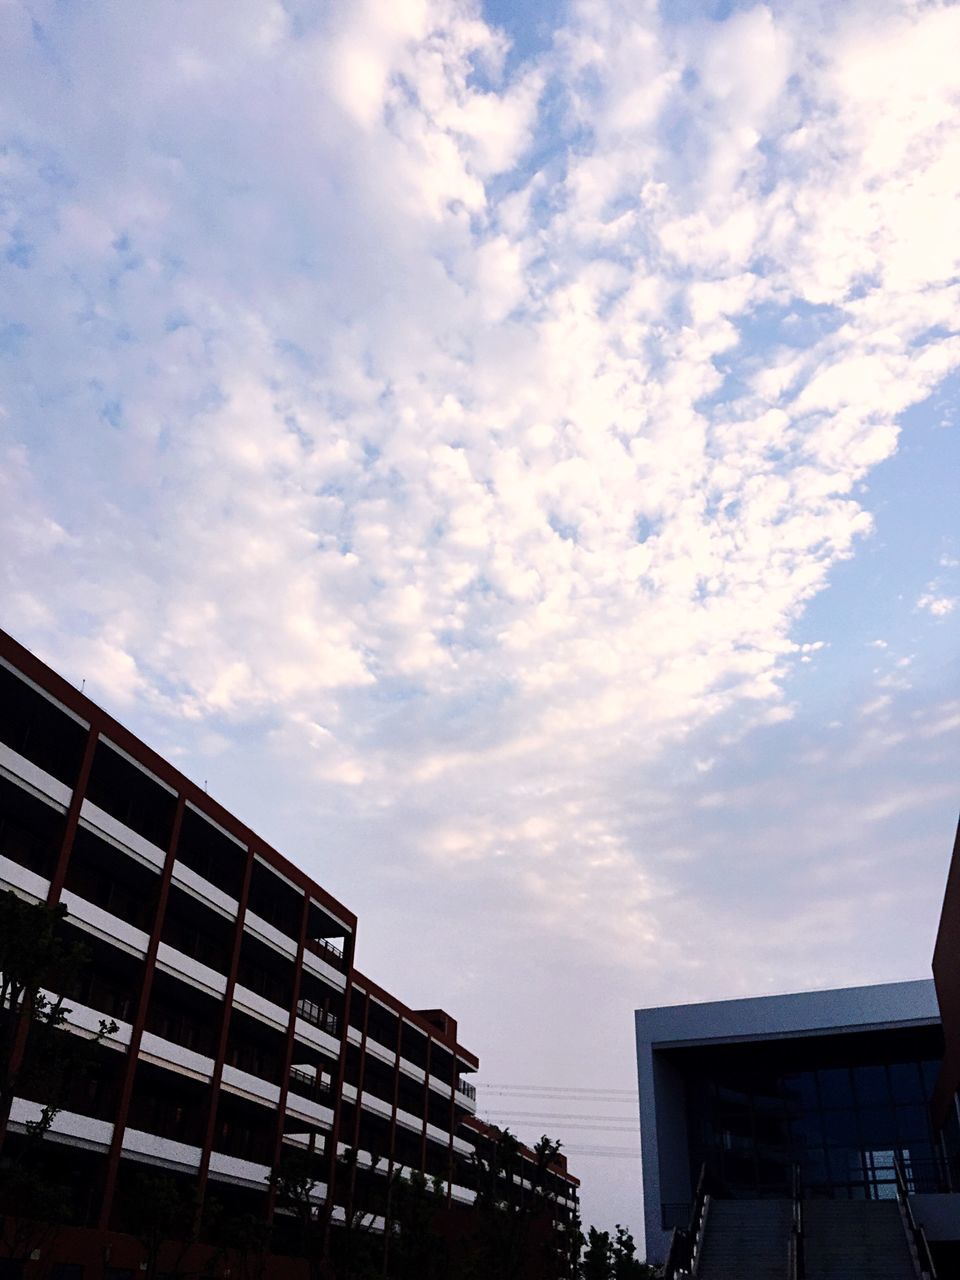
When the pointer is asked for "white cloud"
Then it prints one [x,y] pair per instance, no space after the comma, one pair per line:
[938,606]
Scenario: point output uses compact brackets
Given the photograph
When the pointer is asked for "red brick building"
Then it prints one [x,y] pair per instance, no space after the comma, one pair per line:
[244,1029]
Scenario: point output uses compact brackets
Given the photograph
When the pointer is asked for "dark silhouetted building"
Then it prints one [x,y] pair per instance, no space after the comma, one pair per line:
[244,1029]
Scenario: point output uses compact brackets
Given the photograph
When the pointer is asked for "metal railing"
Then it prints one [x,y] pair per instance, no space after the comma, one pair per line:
[468,1090]
[314,1084]
[322,946]
[312,1012]
[795,1265]
[915,1233]
[687,1241]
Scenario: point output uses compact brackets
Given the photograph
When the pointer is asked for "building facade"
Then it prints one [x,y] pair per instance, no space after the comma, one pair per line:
[946,976]
[244,1031]
[834,1083]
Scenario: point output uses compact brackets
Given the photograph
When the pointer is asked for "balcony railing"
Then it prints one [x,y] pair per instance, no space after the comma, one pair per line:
[325,949]
[313,1085]
[468,1090]
[311,1012]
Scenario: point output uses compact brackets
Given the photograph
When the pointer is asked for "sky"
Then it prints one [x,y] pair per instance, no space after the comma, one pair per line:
[509,454]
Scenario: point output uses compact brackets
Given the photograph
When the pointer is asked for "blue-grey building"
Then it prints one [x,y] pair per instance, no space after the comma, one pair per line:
[835,1083]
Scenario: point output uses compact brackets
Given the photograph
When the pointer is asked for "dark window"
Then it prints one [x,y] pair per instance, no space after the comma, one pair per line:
[30,830]
[131,796]
[66,1271]
[358,1008]
[870,1084]
[379,1079]
[382,1025]
[931,1073]
[859,1095]
[265,971]
[109,980]
[245,1130]
[413,1046]
[906,1082]
[211,854]
[255,1048]
[913,1122]
[275,901]
[169,1104]
[835,1088]
[101,874]
[352,1065]
[317,992]
[198,931]
[438,1110]
[38,730]
[410,1096]
[877,1129]
[441,1063]
[180,1013]
[840,1128]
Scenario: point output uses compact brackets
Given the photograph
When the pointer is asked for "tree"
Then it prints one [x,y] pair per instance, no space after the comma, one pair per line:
[357,1250]
[240,1240]
[614,1258]
[295,1181]
[417,1252]
[39,1059]
[626,1265]
[507,1210]
[161,1211]
[598,1257]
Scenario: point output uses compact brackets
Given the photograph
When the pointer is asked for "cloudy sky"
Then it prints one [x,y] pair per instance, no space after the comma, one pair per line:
[511,453]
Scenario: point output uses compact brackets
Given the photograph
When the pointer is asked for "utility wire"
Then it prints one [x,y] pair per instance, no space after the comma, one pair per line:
[600,1155]
[560,1115]
[572,1123]
[554,1088]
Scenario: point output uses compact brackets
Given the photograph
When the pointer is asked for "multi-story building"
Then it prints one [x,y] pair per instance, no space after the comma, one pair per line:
[244,1030]
[833,1084]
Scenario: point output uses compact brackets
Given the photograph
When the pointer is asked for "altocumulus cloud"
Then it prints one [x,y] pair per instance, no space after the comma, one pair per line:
[464,432]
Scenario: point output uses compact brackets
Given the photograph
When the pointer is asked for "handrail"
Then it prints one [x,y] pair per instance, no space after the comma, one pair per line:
[918,1237]
[797,1267]
[686,1243]
[318,945]
[311,1011]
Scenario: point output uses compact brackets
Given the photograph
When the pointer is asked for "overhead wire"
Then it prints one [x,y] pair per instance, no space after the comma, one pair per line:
[585,1090]
[512,1095]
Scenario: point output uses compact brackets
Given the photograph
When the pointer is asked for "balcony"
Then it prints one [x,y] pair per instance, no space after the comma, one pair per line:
[38,780]
[468,1090]
[260,1007]
[326,949]
[311,1012]
[172,960]
[324,960]
[310,1096]
[118,833]
[310,1083]
[103,924]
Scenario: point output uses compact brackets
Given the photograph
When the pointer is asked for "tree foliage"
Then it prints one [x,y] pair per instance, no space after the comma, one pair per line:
[614,1257]
[39,1059]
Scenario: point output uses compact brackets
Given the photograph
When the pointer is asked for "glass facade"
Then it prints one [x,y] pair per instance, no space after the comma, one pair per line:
[839,1107]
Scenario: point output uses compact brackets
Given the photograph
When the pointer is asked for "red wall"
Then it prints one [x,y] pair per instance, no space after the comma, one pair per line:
[946,976]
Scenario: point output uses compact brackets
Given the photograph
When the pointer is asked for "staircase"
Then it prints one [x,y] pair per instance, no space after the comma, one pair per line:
[746,1240]
[855,1240]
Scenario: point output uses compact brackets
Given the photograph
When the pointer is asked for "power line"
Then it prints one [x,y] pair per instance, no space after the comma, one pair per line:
[599,1153]
[602,1128]
[554,1088]
[559,1115]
